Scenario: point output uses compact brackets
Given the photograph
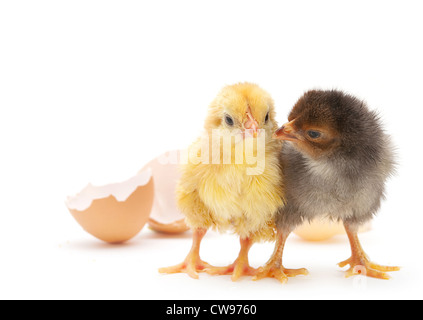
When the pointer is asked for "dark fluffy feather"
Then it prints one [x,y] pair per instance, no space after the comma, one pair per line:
[343,179]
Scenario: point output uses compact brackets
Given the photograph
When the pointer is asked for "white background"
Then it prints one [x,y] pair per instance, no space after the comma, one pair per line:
[92,90]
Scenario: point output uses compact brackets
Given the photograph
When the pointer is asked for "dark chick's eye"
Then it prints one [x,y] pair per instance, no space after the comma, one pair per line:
[229,121]
[313,134]
[267,118]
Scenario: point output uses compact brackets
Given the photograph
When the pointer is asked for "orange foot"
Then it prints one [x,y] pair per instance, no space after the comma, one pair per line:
[191,266]
[275,270]
[359,262]
[237,269]
[274,267]
[240,267]
[362,265]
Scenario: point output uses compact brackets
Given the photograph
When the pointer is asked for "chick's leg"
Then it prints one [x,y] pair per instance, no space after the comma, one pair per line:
[359,262]
[192,263]
[274,267]
[240,267]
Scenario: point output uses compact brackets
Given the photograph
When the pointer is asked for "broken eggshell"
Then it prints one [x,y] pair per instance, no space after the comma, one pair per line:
[323,229]
[116,212]
[165,217]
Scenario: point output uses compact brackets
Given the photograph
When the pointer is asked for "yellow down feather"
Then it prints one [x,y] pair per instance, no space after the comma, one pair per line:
[226,196]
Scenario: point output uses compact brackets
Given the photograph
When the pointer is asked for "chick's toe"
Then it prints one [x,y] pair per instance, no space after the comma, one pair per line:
[241,265]
[360,263]
[192,263]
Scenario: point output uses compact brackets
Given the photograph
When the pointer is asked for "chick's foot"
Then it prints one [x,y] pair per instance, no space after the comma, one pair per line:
[240,267]
[237,269]
[274,269]
[191,266]
[361,265]
[192,263]
[359,262]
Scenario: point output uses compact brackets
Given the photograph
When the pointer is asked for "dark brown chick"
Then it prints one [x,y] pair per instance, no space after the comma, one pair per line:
[335,162]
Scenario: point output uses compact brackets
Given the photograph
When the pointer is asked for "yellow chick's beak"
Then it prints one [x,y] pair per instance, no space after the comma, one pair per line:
[286,132]
[251,123]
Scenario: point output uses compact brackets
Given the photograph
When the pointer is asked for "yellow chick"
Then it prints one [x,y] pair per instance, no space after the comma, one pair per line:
[232,179]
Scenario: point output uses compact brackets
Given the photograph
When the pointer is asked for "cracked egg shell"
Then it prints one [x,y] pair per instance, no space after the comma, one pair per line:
[165,216]
[117,212]
[323,229]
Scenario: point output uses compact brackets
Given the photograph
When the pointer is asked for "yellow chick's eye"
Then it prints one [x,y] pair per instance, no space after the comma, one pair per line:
[267,118]
[229,121]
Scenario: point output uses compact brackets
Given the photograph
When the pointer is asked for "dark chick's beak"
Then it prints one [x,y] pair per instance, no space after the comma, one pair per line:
[286,132]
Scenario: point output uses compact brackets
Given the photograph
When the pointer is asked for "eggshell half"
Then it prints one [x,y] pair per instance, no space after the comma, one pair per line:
[165,216]
[114,213]
[323,229]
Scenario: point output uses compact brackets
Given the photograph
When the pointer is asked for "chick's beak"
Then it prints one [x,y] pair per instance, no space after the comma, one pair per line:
[286,132]
[251,123]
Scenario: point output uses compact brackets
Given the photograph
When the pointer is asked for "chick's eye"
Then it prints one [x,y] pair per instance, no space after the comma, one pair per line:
[229,121]
[313,134]
[267,118]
